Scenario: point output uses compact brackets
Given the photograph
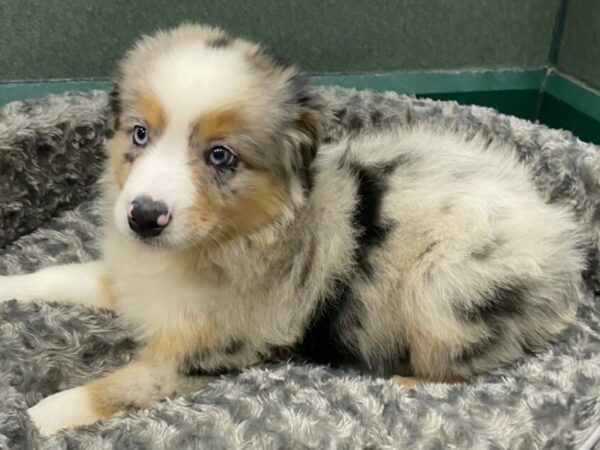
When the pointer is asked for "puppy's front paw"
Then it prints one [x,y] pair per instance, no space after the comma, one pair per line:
[65,409]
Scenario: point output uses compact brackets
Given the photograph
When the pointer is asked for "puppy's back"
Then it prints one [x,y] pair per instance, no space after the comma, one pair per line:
[459,266]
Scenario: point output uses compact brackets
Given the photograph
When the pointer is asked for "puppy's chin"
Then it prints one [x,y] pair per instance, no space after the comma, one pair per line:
[156,243]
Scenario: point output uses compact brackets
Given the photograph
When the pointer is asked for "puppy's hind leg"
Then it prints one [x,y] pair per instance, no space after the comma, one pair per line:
[71,283]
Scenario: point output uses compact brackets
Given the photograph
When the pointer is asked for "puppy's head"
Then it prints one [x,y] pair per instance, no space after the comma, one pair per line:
[214,137]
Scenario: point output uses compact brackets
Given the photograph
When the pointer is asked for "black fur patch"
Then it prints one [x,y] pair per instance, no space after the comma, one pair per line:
[399,365]
[220,42]
[389,167]
[307,125]
[355,123]
[562,190]
[190,370]
[376,117]
[502,301]
[321,342]
[109,131]
[114,101]
[340,113]
[485,251]
[428,249]
[591,267]
[192,365]
[480,348]
[235,346]
[129,157]
[307,178]
[301,92]
[276,59]
[372,229]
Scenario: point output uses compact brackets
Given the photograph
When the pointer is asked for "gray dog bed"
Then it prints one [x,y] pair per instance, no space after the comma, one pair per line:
[51,155]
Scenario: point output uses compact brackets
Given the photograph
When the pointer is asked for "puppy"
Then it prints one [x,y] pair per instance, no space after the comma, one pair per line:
[233,237]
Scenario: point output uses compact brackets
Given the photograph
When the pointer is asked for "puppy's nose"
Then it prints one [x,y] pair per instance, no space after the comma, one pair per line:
[147,217]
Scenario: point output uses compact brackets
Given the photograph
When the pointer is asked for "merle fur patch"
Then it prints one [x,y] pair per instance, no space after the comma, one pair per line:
[371,228]
[276,59]
[114,102]
[503,300]
[307,178]
[191,370]
[235,346]
[355,123]
[340,113]
[479,348]
[321,342]
[376,117]
[220,42]
[484,252]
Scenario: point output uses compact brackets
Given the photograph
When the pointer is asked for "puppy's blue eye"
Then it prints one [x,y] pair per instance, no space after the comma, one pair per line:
[140,135]
[220,156]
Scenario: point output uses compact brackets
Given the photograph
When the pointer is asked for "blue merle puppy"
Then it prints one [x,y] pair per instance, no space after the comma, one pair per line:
[233,237]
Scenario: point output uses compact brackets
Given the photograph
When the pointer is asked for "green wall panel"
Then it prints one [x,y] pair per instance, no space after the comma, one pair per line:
[580,50]
[556,113]
[565,103]
[511,92]
[65,39]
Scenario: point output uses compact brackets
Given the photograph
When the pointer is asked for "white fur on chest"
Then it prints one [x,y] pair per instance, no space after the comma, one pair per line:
[154,293]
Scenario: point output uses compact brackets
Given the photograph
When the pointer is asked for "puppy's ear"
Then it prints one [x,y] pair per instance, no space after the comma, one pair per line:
[308,123]
[114,102]
[308,126]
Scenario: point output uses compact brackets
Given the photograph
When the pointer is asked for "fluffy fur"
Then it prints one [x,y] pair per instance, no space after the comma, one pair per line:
[413,251]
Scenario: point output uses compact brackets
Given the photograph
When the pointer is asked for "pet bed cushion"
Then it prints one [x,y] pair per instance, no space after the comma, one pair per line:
[50,157]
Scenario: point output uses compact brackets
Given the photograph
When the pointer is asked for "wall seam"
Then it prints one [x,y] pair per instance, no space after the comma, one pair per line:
[553,54]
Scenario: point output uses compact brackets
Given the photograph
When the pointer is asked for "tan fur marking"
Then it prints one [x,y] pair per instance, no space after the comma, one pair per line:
[309,124]
[218,124]
[408,382]
[152,112]
[178,343]
[107,393]
[108,299]
[243,213]
[136,384]
[255,209]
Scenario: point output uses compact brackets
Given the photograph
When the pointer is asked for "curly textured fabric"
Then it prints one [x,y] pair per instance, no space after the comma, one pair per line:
[549,400]
[50,155]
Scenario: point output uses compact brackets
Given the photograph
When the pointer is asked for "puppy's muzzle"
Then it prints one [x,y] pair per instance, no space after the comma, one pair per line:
[147,217]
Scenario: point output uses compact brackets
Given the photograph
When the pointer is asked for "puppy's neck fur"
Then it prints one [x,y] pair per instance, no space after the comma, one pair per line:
[269,248]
